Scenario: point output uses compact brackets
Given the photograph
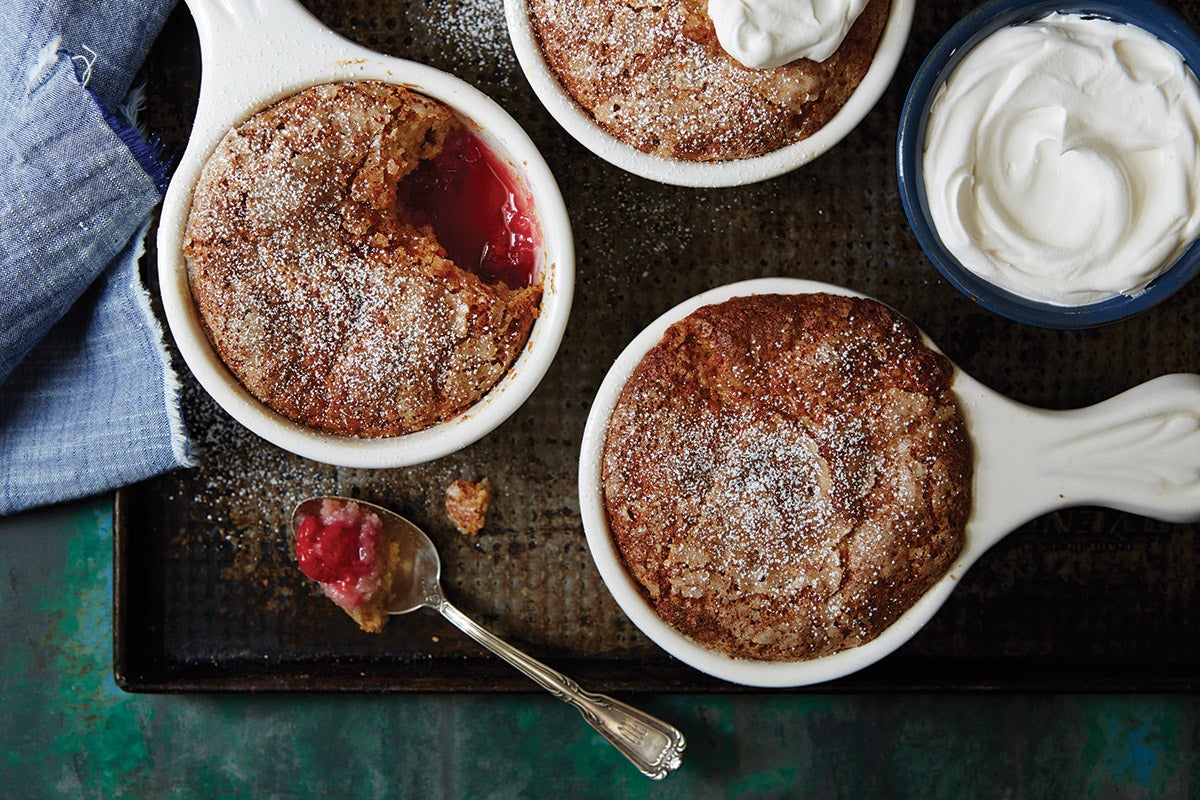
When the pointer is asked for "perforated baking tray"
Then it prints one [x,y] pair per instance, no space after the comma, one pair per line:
[207,594]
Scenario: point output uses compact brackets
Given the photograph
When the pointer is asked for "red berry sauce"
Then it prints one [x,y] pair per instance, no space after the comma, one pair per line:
[478,210]
[340,550]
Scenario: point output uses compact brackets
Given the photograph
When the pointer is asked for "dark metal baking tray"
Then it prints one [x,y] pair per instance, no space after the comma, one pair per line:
[207,595]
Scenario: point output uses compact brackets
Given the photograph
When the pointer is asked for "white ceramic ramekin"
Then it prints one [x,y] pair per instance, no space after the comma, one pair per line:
[255,53]
[1137,452]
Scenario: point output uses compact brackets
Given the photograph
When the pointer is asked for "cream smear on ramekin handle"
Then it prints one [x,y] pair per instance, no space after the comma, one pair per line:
[770,33]
[1062,159]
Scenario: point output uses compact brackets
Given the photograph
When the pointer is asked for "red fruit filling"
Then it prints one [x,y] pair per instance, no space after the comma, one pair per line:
[340,549]
[478,211]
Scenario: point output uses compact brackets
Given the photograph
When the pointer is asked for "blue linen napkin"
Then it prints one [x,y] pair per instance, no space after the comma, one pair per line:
[88,401]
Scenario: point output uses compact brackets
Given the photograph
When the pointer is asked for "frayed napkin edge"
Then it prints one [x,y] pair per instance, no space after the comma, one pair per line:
[172,388]
[148,150]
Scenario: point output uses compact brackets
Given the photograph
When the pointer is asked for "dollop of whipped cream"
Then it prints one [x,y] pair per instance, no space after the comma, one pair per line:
[1062,159]
[770,33]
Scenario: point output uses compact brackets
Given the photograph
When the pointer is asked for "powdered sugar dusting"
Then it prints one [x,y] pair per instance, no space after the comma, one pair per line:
[475,29]
[785,475]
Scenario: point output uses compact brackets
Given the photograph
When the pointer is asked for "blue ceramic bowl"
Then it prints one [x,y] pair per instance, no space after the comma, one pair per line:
[941,61]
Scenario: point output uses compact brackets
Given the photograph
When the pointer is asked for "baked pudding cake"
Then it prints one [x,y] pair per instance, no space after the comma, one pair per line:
[654,75]
[320,278]
[784,475]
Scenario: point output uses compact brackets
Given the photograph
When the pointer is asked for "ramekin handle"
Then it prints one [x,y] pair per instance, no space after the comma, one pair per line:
[1138,452]
[256,48]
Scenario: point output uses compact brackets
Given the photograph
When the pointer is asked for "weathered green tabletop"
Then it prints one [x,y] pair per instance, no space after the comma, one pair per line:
[1063,667]
[67,731]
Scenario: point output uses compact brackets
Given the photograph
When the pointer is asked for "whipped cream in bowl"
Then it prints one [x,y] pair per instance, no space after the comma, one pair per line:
[1049,159]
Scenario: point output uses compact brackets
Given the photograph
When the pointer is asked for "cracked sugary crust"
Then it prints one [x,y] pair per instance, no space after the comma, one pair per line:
[319,293]
[784,475]
[652,73]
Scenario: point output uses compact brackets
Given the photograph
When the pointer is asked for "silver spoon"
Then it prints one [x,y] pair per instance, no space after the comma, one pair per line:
[653,746]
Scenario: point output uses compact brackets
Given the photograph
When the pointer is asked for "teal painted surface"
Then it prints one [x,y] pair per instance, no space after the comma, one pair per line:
[67,731]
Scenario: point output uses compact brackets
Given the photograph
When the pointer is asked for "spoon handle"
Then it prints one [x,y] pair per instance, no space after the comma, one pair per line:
[653,746]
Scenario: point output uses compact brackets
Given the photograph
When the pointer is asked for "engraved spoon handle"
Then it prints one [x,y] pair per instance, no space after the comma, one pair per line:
[653,746]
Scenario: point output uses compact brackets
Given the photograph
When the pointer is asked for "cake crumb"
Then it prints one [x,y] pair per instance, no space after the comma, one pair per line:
[467,504]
